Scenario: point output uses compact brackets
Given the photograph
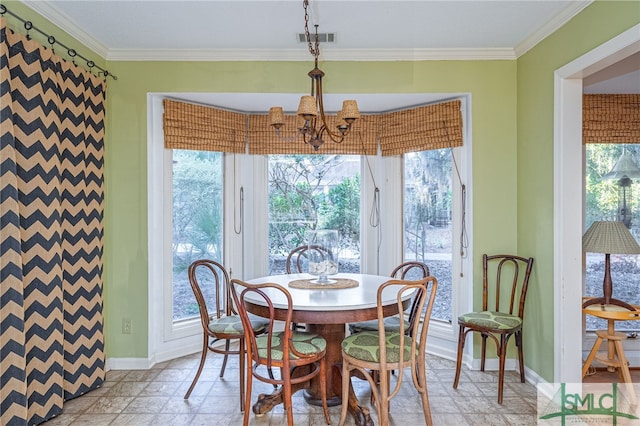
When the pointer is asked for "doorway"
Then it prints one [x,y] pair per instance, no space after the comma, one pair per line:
[568,203]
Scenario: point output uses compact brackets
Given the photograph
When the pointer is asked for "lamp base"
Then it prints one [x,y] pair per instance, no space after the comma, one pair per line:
[603,301]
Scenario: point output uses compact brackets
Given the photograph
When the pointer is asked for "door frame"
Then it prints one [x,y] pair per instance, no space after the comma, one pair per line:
[568,203]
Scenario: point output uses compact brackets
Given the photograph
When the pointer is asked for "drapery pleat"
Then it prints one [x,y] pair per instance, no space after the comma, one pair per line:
[51,230]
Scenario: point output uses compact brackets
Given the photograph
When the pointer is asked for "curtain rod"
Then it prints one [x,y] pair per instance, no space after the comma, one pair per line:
[28,25]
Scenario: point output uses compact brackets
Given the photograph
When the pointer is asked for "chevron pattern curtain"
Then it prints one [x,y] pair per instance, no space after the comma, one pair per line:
[51,230]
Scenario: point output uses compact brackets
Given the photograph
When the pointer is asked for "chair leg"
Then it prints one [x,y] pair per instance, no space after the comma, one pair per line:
[461,338]
[287,401]
[502,355]
[241,362]
[247,397]
[383,401]
[323,390]
[224,361]
[483,351]
[520,355]
[346,378]
[203,357]
[421,386]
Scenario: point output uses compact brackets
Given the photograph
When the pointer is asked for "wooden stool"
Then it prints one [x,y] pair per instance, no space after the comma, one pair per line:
[615,358]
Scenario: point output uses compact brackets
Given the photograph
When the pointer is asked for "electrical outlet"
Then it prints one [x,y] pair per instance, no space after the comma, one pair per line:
[126,326]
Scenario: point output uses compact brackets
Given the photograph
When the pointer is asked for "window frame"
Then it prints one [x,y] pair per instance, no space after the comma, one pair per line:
[245,184]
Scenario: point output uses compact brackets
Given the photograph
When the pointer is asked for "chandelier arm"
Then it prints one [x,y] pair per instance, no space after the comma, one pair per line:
[335,137]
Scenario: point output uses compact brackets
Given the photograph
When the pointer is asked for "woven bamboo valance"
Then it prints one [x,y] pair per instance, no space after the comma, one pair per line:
[423,128]
[362,139]
[611,118]
[203,128]
[189,126]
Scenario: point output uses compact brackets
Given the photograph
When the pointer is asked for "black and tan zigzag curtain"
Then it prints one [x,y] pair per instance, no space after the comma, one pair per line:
[51,230]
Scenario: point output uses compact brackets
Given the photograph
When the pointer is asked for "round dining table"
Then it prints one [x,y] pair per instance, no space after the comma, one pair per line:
[326,311]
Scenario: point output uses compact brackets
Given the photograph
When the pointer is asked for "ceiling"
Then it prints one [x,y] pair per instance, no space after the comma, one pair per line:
[391,29]
[365,30]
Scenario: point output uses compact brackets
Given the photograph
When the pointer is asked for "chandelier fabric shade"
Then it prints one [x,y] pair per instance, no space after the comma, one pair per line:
[610,118]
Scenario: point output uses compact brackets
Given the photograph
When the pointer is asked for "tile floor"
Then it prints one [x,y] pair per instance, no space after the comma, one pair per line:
[155,397]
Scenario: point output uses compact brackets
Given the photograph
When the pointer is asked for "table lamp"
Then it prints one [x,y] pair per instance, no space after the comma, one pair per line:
[608,237]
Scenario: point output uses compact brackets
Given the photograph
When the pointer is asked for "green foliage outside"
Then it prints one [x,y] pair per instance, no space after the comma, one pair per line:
[602,195]
[312,192]
[197,207]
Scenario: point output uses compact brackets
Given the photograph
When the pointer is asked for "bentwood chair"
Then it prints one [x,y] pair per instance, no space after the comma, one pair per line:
[298,258]
[287,349]
[298,262]
[411,270]
[506,277]
[220,322]
[374,354]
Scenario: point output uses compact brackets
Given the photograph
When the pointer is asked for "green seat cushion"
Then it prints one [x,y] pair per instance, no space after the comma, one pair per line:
[390,324]
[366,346]
[232,324]
[306,343]
[490,319]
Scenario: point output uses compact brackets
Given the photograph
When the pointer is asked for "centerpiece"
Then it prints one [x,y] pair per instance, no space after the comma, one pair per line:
[323,254]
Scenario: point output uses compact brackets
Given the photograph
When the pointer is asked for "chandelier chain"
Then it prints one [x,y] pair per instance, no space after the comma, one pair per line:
[314,49]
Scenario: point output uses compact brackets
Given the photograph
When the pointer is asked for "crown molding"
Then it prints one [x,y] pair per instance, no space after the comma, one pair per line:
[303,54]
[550,27]
[62,21]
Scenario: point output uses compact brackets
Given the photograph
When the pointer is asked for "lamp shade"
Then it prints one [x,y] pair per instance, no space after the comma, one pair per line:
[609,237]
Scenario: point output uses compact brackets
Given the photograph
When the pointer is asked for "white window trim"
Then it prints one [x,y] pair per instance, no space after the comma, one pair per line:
[174,340]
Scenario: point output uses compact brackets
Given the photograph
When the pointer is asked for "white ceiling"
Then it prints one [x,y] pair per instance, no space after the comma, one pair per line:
[391,29]
[365,30]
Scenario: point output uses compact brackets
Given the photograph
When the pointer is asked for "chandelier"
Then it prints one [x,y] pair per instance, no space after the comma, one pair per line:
[312,122]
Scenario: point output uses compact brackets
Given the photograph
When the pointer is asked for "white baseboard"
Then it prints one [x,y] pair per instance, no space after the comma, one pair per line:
[178,349]
[128,364]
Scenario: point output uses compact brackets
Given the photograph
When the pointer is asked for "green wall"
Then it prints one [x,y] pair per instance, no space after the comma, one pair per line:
[492,85]
[598,23]
[512,137]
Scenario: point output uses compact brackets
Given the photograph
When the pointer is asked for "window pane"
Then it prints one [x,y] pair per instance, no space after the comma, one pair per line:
[314,192]
[612,198]
[197,222]
[427,219]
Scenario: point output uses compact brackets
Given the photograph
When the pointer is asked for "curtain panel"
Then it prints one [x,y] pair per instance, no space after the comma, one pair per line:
[611,118]
[207,128]
[51,230]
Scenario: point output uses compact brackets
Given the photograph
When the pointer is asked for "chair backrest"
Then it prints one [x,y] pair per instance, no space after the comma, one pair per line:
[426,290]
[507,278]
[261,295]
[412,270]
[298,259]
[216,278]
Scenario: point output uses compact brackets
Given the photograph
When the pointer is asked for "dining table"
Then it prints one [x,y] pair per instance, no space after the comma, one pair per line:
[326,310]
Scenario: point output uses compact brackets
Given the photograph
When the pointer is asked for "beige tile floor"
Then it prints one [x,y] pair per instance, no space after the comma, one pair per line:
[155,397]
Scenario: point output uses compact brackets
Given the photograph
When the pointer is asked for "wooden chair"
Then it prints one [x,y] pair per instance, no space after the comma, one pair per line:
[221,322]
[298,259]
[412,270]
[374,354]
[497,321]
[288,349]
[298,262]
